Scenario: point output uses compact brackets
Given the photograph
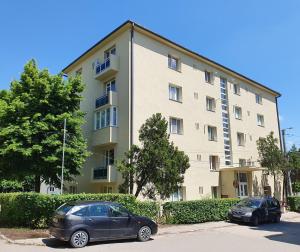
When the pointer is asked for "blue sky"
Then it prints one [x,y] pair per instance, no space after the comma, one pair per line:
[260,39]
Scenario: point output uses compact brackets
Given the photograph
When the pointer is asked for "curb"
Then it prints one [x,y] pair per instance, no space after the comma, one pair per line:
[21,242]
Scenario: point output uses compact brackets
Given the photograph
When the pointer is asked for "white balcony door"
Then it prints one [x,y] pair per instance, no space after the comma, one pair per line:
[243,185]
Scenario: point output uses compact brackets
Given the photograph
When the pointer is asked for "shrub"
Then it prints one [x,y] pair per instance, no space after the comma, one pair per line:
[296,186]
[294,203]
[35,210]
[10,186]
[186,212]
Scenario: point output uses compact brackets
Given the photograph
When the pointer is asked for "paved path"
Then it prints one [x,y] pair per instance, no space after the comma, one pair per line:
[210,237]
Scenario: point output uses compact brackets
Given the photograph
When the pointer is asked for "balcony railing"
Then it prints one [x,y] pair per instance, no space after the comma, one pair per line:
[100,173]
[101,67]
[102,100]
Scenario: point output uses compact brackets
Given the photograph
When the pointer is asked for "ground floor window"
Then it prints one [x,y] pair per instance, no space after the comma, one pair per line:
[73,189]
[107,189]
[214,192]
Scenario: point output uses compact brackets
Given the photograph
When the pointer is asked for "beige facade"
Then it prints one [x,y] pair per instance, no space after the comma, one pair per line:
[216,115]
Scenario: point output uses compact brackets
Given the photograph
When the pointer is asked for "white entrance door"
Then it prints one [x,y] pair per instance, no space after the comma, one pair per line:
[243,185]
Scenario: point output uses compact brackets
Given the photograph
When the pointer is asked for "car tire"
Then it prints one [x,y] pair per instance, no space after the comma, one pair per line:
[144,233]
[79,239]
[255,220]
[277,218]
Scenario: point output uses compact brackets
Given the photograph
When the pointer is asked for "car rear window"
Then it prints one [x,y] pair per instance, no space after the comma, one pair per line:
[64,209]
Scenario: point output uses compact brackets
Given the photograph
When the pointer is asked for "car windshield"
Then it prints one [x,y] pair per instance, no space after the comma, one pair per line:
[64,209]
[253,203]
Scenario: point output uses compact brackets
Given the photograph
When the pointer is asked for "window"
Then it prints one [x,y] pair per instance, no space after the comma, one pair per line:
[175,93]
[118,211]
[100,173]
[198,157]
[197,126]
[241,139]
[176,126]
[214,192]
[238,113]
[242,162]
[236,89]
[73,189]
[195,95]
[106,117]
[98,210]
[212,133]
[110,51]
[210,104]
[109,157]
[260,120]
[200,189]
[208,77]
[110,86]
[79,210]
[213,163]
[258,99]
[173,63]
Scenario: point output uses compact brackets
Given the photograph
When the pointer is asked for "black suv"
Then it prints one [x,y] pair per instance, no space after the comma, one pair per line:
[88,221]
[255,210]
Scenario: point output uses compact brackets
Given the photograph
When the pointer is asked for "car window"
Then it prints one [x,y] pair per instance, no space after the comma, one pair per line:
[79,211]
[253,203]
[118,211]
[264,204]
[273,203]
[98,210]
[64,209]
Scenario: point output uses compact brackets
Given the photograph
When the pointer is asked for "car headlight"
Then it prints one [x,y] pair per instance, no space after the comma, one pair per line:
[249,214]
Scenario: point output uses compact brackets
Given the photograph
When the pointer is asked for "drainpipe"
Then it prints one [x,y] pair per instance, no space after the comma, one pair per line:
[131,102]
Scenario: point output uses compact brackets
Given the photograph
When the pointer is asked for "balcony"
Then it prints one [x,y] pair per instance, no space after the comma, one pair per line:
[106,174]
[108,68]
[105,136]
[110,99]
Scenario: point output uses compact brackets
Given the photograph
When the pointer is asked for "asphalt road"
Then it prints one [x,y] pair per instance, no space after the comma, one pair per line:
[281,237]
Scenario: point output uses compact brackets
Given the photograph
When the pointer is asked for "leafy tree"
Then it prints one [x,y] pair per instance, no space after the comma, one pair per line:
[271,155]
[294,166]
[31,126]
[156,167]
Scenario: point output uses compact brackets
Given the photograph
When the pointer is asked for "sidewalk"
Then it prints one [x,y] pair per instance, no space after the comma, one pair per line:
[163,230]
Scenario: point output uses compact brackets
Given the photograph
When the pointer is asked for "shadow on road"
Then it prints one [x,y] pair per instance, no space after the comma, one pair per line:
[55,243]
[288,232]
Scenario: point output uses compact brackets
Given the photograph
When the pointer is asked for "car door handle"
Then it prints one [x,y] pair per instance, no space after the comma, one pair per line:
[90,219]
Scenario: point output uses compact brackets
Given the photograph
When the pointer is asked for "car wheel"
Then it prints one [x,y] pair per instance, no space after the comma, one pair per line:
[144,233]
[255,220]
[277,218]
[79,239]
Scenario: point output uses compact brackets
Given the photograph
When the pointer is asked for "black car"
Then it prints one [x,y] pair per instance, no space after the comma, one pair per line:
[255,210]
[83,222]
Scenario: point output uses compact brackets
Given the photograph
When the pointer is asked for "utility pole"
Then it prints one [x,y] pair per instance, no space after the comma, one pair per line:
[288,172]
[63,158]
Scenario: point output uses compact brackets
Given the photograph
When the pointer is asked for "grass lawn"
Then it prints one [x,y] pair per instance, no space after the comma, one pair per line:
[24,233]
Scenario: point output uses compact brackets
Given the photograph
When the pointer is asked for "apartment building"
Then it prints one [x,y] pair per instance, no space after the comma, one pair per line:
[215,114]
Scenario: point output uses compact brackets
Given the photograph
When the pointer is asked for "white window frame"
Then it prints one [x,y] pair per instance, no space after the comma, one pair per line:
[212,133]
[210,104]
[214,166]
[237,115]
[260,120]
[110,51]
[107,117]
[208,76]
[108,86]
[241,141]
[258,99]
[237,89]
[175,93]
[176,128]
[173,63]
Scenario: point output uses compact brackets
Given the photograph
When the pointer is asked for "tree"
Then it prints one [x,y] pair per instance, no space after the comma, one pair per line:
[156,167]
[271,155]
[293,157]
[31,126]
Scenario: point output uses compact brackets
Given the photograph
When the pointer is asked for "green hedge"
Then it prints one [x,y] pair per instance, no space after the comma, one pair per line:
[35,210]
[294,203]
[197,211]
